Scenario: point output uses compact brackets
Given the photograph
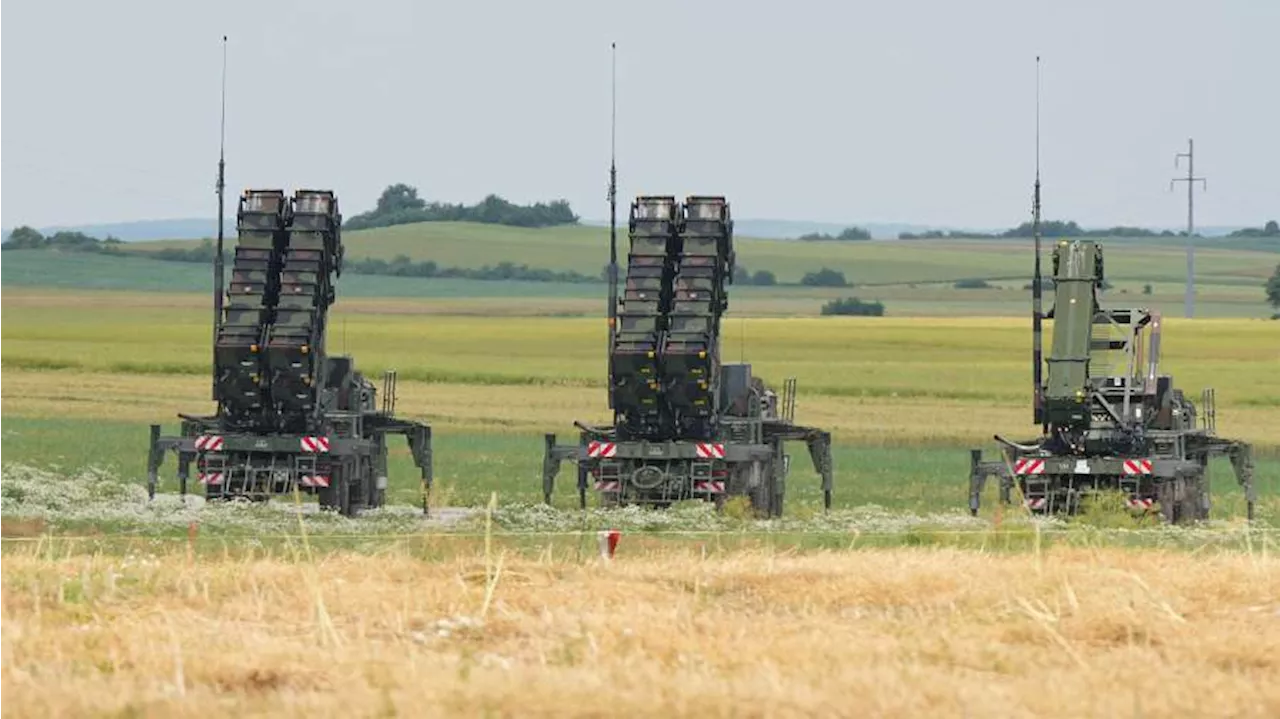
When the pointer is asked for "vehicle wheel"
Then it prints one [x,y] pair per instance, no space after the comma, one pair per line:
[1194,504]
[337,496]
[1167,494]
[762,496]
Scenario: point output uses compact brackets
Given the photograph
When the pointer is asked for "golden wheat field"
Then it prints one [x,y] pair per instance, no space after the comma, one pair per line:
[888,633]
[142,357]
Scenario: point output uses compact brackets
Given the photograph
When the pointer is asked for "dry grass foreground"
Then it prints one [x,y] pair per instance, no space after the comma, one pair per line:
[907,633]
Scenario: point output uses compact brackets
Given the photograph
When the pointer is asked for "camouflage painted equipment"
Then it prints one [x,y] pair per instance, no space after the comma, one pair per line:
[685,426]
[1111,420]
[636,382]
[240,385]
[289,415]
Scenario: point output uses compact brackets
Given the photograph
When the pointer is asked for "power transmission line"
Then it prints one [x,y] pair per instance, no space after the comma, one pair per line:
[1191,181]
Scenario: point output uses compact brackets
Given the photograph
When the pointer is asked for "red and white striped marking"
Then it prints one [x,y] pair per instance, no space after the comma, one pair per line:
[610,486]
[315,444]
[208,443]
[714,486]
[317,480]
[1037,503]
[709,450]
[1137,466]
[608,540]
[1028,466]
[1141,503]
[214,478]
[601,449]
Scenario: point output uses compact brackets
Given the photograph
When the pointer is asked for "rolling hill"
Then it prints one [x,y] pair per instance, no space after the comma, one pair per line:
[912,277]
[876,262]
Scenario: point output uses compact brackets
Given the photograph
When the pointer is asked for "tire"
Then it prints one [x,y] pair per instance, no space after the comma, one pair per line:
[337,496]
[1194,505]
[764,500]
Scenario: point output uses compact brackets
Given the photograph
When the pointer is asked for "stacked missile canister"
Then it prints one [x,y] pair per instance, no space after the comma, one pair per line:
[289,415]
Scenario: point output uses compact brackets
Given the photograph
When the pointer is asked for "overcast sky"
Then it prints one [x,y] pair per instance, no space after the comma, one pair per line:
[833,111]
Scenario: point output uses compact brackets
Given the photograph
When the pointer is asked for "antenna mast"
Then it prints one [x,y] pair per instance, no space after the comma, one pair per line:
[1191,181]
[613,209]
[1037,315]
[222,165]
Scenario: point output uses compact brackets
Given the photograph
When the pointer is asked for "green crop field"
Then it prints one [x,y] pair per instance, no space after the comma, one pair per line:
[877,262]
[912,278]
[905,397]
[97,347]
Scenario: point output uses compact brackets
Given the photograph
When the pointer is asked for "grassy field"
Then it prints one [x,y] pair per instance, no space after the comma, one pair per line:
[904,397]
[661,631]
[585,249]
[896,603]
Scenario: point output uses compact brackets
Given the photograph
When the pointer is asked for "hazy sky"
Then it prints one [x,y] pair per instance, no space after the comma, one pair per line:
[834,111]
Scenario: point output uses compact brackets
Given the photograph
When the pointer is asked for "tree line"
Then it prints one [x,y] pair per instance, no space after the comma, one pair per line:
[400,204]
[1052,228]
[28,238]
[848,234]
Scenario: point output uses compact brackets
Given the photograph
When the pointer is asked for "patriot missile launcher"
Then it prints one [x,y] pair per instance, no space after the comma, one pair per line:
[1110,421]
[686,425]
[290,416]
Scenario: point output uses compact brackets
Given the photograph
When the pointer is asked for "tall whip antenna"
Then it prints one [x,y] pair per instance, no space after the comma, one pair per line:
[222,166]
[1191,181]
[1037,314]
[613,210]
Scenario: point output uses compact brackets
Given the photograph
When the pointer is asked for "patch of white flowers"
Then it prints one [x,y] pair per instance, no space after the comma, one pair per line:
[95,497]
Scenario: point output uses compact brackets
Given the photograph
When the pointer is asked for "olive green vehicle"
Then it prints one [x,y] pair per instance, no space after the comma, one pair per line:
[1110,421]
[685,425]
[290,416]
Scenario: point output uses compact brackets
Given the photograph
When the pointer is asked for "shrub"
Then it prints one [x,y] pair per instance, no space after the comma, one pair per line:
[853,306]
[824,278]
[764,278]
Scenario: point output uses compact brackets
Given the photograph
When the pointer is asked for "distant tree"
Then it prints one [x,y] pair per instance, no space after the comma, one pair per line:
[1273,288]
[824,278]
[397,198]
[853,233]
[764,278]
[847,234]
[399,204]
[972,284]
[24,238]
[1270,229]
[853,306]
[741,275]
[1146,289]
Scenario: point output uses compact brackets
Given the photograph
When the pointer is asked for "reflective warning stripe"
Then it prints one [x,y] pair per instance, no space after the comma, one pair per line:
[208,443]
[315,444]
[601,449]
[1141,503]
[1028,466]
[210,477]
[611,486]
[713,486]
[709,450]
[314,480]
[1137,466]
[1037,503]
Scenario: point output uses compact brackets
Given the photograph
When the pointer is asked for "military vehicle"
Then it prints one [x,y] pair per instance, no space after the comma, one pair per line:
[1109,420]
[685,425]
[290,416]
